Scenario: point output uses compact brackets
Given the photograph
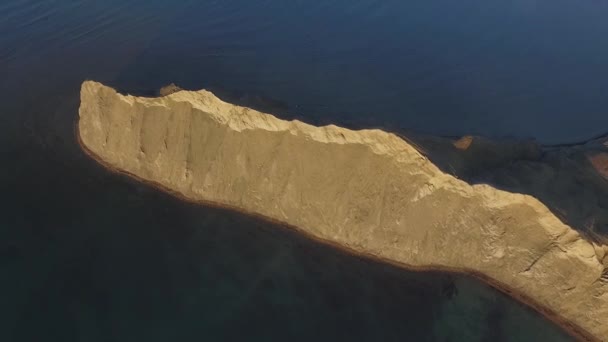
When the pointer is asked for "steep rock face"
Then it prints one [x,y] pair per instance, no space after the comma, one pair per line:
[367,190]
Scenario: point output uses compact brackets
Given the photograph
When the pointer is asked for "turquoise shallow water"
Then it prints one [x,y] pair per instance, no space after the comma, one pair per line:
[90,256]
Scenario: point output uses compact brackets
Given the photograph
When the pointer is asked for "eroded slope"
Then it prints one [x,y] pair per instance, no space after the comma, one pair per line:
[366,190]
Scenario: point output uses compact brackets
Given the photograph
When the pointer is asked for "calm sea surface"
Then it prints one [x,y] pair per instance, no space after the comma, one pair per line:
[90,256]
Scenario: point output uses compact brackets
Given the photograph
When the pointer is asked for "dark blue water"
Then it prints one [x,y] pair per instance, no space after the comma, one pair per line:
[89,256]
[533,68]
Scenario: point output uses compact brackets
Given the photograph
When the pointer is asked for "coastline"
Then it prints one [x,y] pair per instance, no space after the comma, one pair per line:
[567,326]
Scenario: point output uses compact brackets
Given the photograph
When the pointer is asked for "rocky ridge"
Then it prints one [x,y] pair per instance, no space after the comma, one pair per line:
[368,190]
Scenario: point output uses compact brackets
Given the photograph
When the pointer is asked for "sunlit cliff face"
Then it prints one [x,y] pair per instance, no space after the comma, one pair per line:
[367,190]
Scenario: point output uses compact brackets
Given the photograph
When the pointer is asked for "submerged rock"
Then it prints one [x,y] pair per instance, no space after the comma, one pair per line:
[369,191]
[600,163]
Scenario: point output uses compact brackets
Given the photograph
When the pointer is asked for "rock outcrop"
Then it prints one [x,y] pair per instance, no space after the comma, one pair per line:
[600,163]
[169,89]
[369,191]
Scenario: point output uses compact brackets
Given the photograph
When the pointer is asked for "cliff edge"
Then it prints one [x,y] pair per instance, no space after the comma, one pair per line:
[368,190]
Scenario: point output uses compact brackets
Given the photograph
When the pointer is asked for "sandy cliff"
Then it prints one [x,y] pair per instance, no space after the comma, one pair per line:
[368,190]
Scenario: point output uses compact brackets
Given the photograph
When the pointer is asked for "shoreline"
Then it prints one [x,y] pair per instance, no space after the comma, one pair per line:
[543,146]
[567,326]
[401,133]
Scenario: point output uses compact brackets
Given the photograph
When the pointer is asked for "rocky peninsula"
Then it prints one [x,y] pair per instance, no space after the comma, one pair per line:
[368,191]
